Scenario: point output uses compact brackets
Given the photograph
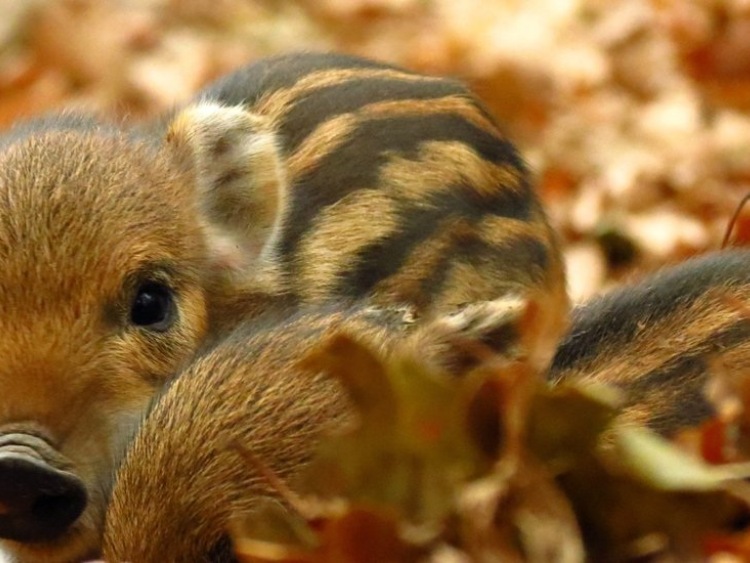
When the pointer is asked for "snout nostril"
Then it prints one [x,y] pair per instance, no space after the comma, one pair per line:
[56,508]
[39,502]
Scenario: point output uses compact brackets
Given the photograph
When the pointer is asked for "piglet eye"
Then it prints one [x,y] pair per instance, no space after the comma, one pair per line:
[153,306]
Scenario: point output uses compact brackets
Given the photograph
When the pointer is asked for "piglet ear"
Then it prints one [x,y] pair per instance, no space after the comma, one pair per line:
[513,327]
[234,157]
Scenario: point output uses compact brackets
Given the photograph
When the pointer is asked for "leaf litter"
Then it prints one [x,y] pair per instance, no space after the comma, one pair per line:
[496,465]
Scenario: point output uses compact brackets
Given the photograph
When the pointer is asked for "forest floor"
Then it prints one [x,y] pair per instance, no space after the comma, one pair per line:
[632,113]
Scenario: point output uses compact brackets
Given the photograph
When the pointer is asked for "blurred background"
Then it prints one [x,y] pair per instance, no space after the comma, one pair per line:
[632,113]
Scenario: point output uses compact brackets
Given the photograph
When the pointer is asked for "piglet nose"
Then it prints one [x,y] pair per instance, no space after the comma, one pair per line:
[37,501]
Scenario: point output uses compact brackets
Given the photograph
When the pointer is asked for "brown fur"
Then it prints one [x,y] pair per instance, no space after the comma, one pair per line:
[280,102]
[181,481]
[335,132]
[77,233]
[86,215]
[222,209]
[405,168]
[658,340]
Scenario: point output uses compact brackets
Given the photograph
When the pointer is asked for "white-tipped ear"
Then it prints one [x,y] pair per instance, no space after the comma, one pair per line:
[238,169]
[509,326]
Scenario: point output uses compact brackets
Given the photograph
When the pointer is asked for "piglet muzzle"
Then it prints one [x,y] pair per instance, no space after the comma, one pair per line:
[38,501]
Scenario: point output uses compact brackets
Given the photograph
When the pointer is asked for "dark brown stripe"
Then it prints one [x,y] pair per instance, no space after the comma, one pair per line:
[393,116]
[341,171]
[247,85]
[614,320]
[299,111]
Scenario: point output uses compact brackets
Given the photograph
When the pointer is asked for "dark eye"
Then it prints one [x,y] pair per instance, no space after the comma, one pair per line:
[153,306]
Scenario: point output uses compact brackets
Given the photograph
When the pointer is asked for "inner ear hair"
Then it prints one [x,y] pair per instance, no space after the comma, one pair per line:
[460,341]
[235,158]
